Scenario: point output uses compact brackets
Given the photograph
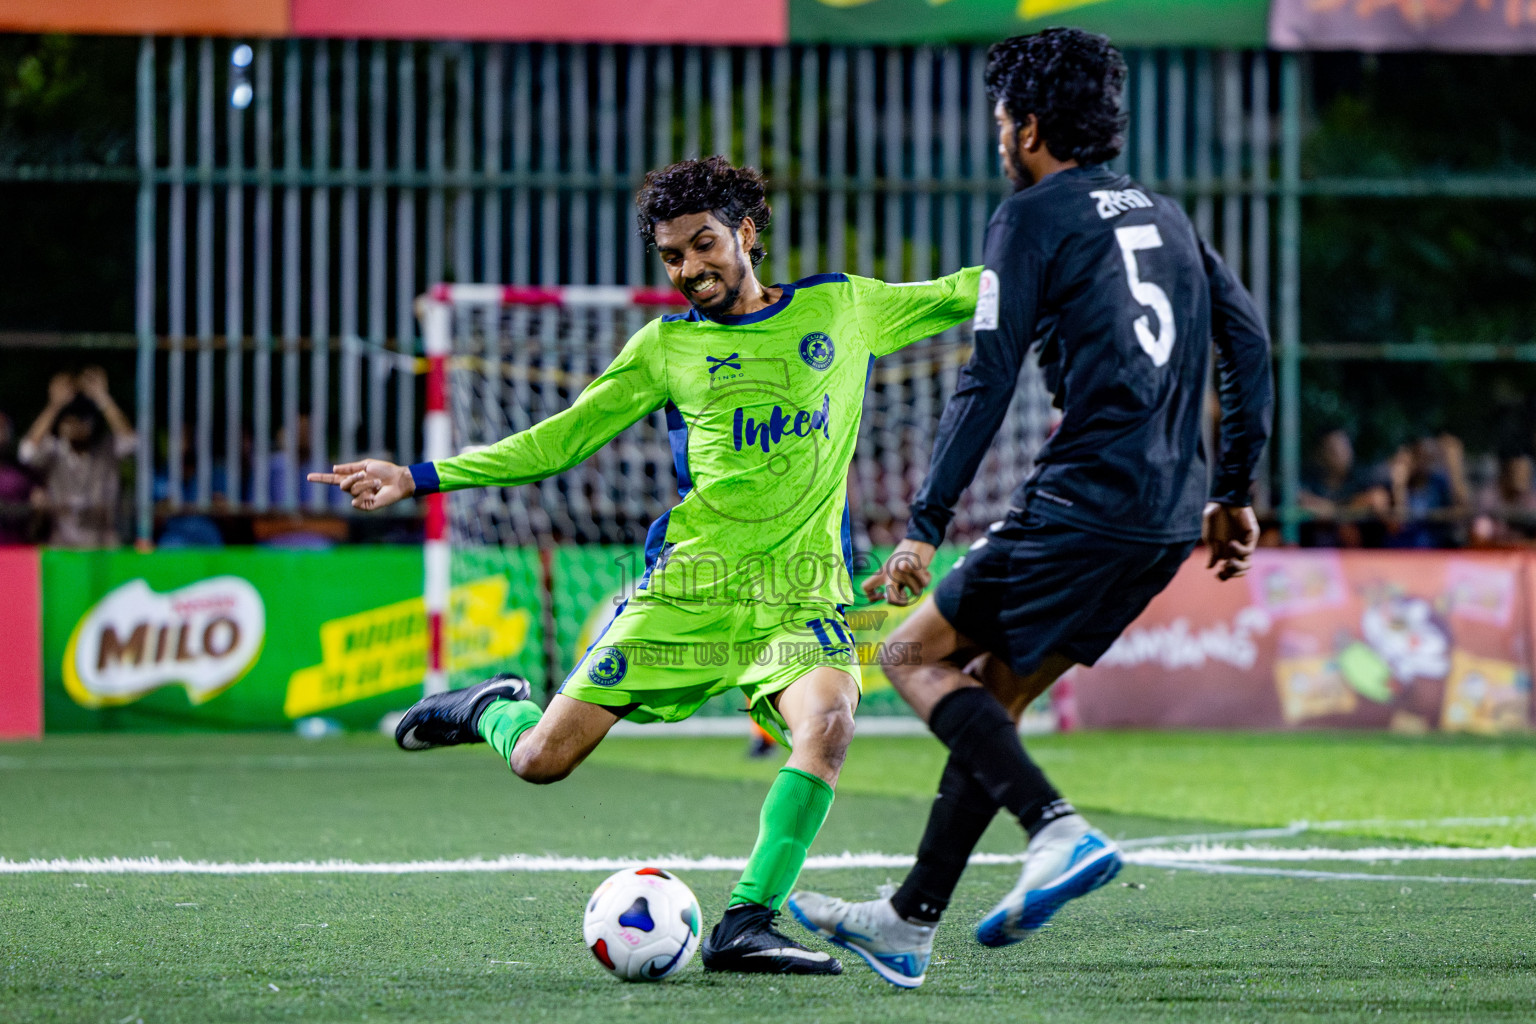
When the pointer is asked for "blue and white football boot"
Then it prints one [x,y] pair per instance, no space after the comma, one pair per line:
[896,949]
[1066,859]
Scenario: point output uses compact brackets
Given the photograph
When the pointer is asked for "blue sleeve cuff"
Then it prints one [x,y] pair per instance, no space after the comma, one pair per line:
[425,476]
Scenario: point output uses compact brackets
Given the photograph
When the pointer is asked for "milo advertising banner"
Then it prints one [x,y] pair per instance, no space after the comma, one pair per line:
[1413,641]
[256,639]
[1226,23]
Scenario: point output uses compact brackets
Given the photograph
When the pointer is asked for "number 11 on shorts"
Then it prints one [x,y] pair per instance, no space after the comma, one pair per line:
[821,626]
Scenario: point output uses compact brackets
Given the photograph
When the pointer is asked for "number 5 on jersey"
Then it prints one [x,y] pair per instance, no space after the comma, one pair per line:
[1131,239]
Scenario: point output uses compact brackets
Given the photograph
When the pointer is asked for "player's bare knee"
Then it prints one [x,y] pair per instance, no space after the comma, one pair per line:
[827,730]
[828,734]
[536,763]
[837,730]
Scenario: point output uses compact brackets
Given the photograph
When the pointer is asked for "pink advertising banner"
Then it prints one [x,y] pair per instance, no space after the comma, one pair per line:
[725,22]
[1418,641]
[21,649]
[1475,26]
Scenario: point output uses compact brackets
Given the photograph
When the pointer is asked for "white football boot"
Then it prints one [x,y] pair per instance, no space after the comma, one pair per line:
[1066,859]
[895,948]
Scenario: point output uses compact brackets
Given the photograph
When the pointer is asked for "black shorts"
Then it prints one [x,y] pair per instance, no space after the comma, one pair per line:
[1032,587]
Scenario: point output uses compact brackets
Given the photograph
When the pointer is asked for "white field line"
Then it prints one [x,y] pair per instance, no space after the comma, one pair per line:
[1297,828]
[1196,858]
[1503,821]
[1218,853]
[1330,876]
[1283,832]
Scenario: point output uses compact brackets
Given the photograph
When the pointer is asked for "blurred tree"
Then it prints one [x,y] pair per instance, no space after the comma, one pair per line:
[67,99]
[67,260]
[1420,270]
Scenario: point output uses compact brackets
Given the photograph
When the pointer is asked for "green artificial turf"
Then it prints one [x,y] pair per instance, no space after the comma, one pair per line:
[1242,778]
[1169,945]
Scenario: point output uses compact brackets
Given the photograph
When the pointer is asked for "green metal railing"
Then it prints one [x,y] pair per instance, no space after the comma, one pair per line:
[305,225]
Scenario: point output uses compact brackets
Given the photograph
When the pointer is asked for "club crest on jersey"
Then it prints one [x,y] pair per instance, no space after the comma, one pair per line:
[817,350]
[607,666]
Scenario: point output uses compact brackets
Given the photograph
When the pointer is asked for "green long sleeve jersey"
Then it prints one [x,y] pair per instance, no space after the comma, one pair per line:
[762,413]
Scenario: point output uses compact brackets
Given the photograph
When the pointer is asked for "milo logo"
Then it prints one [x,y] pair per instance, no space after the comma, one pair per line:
[203,637]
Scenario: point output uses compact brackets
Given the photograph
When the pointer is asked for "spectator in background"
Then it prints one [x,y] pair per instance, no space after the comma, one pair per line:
[1333,491]
[279,470]
[16,489]
[1427,493]
[217,485]
[77,444]
[183,529]
[301,527]
[1506,508]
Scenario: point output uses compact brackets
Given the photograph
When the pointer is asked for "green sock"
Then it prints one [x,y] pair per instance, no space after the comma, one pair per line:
[792,815]
[504,721]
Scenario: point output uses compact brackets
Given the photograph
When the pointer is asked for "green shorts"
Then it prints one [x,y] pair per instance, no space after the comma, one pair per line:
[659,660]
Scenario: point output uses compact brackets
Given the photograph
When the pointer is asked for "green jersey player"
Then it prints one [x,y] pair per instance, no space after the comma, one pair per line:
[746,577]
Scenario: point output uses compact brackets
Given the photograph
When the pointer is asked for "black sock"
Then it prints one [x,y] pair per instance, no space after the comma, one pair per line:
[962,810]
[976,729]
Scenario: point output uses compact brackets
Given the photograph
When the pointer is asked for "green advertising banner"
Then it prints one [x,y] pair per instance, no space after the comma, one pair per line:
[592,582]
[256,639]
[1232,23]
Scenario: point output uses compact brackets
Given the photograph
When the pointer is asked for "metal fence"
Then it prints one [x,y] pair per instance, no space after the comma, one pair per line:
[281,244]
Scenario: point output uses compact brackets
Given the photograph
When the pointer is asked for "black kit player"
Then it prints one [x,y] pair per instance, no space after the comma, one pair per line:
[1123,300]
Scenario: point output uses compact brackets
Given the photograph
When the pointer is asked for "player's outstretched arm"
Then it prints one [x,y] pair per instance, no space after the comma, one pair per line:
[633,385]
[1005,328]
[373,483]
[908,313]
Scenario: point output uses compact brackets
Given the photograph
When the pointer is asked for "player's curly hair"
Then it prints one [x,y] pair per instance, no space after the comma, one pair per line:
[1072,82]
[710,185]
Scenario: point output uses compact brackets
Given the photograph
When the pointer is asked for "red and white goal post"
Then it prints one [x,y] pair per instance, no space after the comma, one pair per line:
[534,347]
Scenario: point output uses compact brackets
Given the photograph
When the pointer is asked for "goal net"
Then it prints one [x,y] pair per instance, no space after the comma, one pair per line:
[569,548]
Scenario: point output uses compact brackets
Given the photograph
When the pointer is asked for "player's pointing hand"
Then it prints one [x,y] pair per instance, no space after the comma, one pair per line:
[373,483]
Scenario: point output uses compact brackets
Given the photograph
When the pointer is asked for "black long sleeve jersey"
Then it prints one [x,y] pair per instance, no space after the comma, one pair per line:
[1124,300]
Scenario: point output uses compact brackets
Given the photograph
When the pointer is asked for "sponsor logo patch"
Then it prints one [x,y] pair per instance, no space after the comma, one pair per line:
[747,432]
[986,302]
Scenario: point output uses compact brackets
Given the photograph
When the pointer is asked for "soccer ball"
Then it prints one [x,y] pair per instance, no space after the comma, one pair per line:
[642,924]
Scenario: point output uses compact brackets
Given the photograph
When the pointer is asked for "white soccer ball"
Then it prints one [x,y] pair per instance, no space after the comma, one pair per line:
[642,924]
